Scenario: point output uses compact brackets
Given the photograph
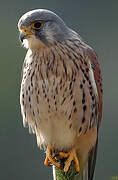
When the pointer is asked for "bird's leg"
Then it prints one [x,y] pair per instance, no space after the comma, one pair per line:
[70,156]
[49,159]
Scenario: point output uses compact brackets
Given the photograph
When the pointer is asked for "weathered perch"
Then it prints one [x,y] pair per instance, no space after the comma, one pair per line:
[70,175]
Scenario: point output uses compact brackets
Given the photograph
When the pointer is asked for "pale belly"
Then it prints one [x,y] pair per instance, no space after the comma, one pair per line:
[56,130]
[54,118]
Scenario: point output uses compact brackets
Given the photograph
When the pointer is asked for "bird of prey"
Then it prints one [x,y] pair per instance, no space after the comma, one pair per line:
[61,91]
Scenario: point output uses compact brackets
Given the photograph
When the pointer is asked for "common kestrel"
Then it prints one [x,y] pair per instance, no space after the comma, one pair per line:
[61,91]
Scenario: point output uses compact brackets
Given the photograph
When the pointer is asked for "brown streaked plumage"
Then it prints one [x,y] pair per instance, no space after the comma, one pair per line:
[61,90]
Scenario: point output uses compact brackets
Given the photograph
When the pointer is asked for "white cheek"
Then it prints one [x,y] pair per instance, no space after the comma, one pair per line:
[33,43]
[25,43]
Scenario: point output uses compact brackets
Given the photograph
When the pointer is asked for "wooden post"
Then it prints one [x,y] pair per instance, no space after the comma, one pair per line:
[70,175]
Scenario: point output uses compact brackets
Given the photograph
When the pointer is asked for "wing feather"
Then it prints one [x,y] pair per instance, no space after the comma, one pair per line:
[98,78]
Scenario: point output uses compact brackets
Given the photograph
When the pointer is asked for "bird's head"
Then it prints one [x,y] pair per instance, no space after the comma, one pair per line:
[41,28]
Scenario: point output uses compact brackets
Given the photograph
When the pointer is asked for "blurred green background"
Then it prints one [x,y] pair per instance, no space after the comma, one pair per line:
[97,23]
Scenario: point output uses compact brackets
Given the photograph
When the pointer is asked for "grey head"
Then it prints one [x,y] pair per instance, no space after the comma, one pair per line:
[44,26]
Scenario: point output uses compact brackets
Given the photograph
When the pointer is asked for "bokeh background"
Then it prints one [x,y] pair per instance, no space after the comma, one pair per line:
[97,23]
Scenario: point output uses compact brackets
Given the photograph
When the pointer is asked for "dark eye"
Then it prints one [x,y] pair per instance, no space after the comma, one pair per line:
[36,25]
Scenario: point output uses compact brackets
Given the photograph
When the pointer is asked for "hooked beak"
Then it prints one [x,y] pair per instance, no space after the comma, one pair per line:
[24,34]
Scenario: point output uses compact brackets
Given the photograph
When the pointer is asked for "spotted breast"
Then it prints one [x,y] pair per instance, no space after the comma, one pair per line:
[59,96]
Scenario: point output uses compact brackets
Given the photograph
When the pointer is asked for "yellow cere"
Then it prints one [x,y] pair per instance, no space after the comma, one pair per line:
[25,31]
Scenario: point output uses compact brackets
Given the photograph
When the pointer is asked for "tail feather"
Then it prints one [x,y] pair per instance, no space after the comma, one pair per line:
[84,175]
[92,161]
[90,167]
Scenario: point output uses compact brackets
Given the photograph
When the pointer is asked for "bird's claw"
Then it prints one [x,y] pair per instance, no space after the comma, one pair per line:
[71,156]
[49,159]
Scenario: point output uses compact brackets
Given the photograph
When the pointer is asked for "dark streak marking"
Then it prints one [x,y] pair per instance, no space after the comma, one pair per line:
[83,101]
[76,55]
[75,110]
[32,75]
[80,129]
[81,86]
[60,87]
[31,84]
[87,69]
[92,114]
[29,88]
[70,126]
[73,60]
[47,73]
[71,92]
[60,81]
[63,101]
[23,102]
[37,99]
[74,79]
[69,117]
[84,81]
[71,97]
[93,98]
[70,86]
[64,65]
[91,93]
[83,120]
[43,91]
[74,103]
[84,108]
[90,83]
[86,77]
[33,113]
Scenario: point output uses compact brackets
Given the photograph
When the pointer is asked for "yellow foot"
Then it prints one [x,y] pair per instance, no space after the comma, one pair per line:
[46,162]
[70,156]
[49,159]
